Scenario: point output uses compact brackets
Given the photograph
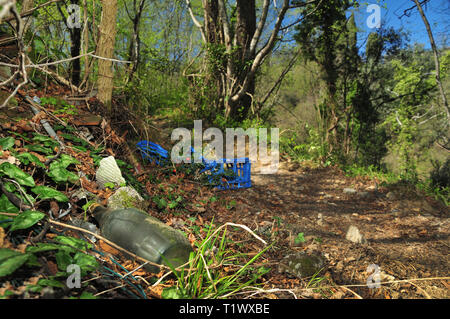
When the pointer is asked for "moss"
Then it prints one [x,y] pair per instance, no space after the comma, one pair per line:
[302,265]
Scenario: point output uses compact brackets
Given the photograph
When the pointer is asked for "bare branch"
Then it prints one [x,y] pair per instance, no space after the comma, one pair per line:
[18,30]
[262,53]
[30,12]
[194,19]
[260,27]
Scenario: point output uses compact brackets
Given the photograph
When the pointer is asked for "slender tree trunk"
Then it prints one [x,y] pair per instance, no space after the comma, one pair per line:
[436,59]
[105,48]
[245,30]
[135,43]
[75,49]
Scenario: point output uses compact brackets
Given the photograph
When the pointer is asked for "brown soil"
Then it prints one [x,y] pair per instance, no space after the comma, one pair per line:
[407,237]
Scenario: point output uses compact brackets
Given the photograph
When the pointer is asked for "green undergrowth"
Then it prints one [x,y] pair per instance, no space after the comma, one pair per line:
[216,269]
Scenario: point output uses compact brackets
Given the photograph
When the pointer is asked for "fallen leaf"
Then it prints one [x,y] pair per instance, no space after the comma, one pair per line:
[107,248]
[2,236]
[52,267]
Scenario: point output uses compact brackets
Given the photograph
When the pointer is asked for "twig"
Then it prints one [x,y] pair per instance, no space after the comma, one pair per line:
[39,236]
[107,241]
[11,6]
[13,198]
[129,273]
[30,12]
[40,65]
[108,290]
[262,291]
[357,296]
[236,225]
[208,273]
[423,291]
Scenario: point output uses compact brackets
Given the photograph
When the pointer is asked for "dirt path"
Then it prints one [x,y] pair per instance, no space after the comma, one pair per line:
[406,237]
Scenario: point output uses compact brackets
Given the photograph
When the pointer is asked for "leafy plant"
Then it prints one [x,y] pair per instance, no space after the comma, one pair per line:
[206,275]
[300,238]
[45,192]
[17,174]
[26,219]
[27,158]
[231,204]
[58,170]
[6,143]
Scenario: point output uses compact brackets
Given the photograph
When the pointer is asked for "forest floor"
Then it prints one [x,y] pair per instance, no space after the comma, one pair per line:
[301,208]
[406,236]
[406,233]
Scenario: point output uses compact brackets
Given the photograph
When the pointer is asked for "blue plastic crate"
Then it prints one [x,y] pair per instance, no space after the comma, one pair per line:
[225,174]
[153,152]
[230,173]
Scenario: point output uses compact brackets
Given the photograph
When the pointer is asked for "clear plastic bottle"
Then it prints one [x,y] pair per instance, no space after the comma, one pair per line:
[143,235]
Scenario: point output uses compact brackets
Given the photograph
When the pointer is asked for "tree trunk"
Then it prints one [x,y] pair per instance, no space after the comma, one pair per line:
[75,49]
[436,59]
[135,43]
[105,49]
[232,57]
[245,30]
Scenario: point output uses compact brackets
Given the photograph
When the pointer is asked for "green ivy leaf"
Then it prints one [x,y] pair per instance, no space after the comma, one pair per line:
[64,161]
[63,259]
[62,175]
[39,149]
[7,294]
[46,140]
[87,295]
[16,173]
[26,220]
[6,143]
[33,262]
[42,247]
[26,158]
[73,242]
[45,192]
[10,260]
[86,262]
[50,283]
[172,293]
[6,206]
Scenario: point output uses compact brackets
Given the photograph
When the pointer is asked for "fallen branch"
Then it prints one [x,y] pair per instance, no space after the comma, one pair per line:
[13,198]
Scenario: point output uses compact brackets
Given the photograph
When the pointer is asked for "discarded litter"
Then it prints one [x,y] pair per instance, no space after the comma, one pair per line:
[223,174]
[143,235]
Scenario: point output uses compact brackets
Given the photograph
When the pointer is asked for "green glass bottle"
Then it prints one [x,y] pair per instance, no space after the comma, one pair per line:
[143,235]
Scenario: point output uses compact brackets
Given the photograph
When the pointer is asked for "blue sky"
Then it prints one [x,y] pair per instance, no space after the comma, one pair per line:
[437,12]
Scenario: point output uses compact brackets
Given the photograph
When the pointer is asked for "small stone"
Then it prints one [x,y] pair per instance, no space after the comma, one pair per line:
[124,197]
[391,196]
[349,191]
[303,265]
[363,194]
[354,235]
